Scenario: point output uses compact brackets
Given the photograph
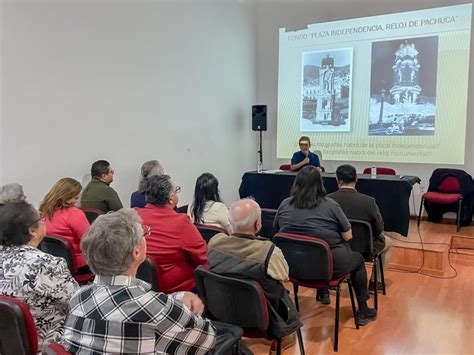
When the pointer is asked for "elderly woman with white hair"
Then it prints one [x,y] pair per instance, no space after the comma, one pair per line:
[149,168]
[11,193]
[119,313]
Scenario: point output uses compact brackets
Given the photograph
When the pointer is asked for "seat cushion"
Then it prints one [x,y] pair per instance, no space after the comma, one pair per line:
[441,198]
[319,284]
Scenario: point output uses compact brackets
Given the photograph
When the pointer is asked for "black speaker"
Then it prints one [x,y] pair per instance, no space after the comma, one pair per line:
[259,118]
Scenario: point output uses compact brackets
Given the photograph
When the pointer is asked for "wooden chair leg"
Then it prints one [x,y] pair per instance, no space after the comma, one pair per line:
[421,210]
[300,341]
[336,323]
[382,276]
[376,298]
[295,291]
[351,293]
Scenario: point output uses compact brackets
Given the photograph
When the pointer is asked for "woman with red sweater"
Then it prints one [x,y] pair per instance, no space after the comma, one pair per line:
[63,218]
[174,243]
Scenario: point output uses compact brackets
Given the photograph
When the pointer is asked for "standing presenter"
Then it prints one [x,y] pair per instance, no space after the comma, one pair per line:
[304,157]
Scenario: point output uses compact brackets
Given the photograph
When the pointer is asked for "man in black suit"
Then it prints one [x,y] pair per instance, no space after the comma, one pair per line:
[359,206]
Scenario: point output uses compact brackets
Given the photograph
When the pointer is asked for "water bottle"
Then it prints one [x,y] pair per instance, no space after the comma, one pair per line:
[259,167]
[373,172]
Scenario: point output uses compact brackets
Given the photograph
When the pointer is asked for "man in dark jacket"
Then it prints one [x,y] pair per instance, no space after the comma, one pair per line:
[98,194]
[245,255]
[359,206]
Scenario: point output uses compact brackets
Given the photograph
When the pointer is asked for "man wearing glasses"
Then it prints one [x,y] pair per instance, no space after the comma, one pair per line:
[98,194]
[304,156]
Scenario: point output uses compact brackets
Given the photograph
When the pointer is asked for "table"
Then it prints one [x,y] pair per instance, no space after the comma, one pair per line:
[391,192]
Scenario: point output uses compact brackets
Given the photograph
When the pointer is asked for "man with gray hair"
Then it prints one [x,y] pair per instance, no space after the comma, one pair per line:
[246,255]
[11,193]
[120,314]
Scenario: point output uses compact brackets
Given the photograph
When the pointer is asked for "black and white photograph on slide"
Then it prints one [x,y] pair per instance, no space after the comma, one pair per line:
[403,87]
[326,91]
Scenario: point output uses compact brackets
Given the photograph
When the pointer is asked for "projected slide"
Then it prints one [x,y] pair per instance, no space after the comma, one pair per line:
[390,88]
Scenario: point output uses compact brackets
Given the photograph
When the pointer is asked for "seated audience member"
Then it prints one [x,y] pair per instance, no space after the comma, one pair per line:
[40,280]
[98,194]
[63,218]
[120,314]
[11,193]
[307,211]
[304,157]
[175,244]
[207,207]
[248,256]
[359,206]
[149,168]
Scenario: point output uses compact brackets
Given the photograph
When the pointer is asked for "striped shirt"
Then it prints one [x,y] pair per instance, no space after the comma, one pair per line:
[121,314]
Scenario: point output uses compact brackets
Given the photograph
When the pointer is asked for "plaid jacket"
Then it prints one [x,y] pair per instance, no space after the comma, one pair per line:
[121,314]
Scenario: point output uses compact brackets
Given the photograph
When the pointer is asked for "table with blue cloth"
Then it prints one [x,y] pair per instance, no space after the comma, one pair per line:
[391,192]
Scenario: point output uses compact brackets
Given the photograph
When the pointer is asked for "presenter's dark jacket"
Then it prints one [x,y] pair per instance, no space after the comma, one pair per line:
[99,195]
[359,206]
[298,157]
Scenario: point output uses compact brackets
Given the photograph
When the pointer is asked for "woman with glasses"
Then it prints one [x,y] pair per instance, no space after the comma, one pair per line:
[38,279]
[63,218]
[207,207]
[174,242]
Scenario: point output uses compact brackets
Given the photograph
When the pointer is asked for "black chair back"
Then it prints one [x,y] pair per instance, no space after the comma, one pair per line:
[15,337]
[182,209]
[309,258]
[268,216]
[58,247]
[233,301]
[148,272]
[362,237]
[207,232]
[91,214]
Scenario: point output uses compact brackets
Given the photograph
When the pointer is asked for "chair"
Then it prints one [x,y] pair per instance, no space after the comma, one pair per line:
[61,247]
[268,216]
[311,265]
[17,328]
[237,301]
[56,349]
[182,209]
[92,214]
[208,232]
[148,272]
[285,167]
[380,171]
[362,242]
[449,193]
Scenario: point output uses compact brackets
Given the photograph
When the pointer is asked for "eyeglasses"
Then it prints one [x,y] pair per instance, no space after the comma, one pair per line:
[178,189]
[112,171]
[304,144]
[146,230]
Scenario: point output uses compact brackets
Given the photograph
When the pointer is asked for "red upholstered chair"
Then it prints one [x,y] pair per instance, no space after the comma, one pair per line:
[148,272]
[208,232]
[311,265]
[92,214]
[56,349]
[17,327]
[285,167]
[380,171]
[237,301]
[362,242]
[449,193]
[61,247]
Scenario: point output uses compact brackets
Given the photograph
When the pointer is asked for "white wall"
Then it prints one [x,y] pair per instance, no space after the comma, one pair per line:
[127,81]
[293,15]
